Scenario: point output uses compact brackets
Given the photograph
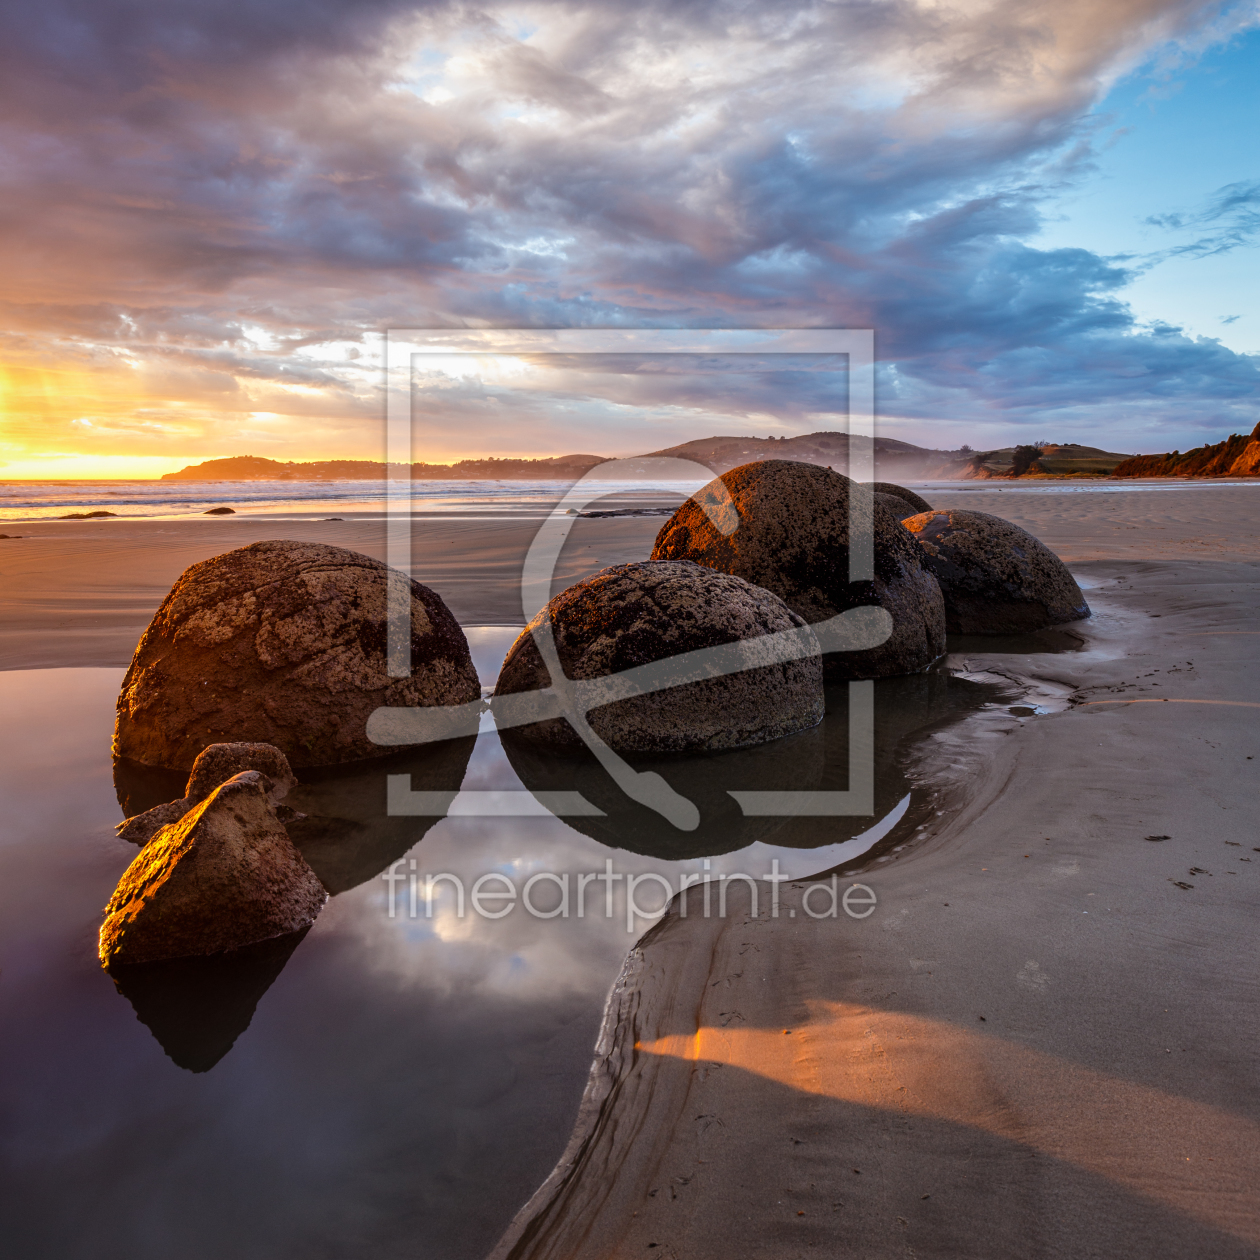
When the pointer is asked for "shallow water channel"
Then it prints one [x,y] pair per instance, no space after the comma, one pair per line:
[399,1081]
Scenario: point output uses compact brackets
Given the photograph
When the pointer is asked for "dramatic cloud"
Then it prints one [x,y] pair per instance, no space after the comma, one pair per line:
[211,211]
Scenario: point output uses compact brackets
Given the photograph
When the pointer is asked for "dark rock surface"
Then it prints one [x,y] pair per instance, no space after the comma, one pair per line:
[908,497]
[634,614]
[996,577]
[225,876]
[897,508]
[793,539]
[282,643]
[220,762]
[219,511]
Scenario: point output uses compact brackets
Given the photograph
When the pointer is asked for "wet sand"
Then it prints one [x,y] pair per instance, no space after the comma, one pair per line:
[1038,1045]
[82,593]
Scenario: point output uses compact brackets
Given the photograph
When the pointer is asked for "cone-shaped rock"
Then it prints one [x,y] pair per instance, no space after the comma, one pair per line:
[224,876]
[214,765]
[793,539]
[282,643]
[634,615]
[996,577]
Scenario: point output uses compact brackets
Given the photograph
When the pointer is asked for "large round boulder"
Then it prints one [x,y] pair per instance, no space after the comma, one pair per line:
[793,539]
[996,577]
[634,615]
[282,643]
[908,497]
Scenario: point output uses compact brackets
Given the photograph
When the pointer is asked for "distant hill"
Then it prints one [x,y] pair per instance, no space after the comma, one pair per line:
[893,458]
[1057,459]
[256,468]
[1237,456]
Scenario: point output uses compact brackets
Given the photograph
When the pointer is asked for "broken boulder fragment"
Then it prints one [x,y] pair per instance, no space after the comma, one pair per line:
[214,765]
[226,875]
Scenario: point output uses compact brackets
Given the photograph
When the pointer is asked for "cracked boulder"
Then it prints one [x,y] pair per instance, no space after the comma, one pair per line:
[638,615]
[793,539]
[225,876]
[996,577]
[282,643]
[214,765]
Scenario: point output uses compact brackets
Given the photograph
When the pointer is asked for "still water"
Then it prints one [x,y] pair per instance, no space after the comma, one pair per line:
[391,1084]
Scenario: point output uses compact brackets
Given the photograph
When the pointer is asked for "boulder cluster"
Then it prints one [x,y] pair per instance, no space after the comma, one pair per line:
[776,556]
[262,659]
[274,656]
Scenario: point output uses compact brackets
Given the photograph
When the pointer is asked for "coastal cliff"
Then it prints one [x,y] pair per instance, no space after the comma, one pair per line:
[1237,456]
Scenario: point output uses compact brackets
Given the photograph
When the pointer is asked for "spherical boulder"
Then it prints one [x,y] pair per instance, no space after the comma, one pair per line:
[900,492]
[996,577]
[793,539]
[634,615]
[282,643]
[897,508]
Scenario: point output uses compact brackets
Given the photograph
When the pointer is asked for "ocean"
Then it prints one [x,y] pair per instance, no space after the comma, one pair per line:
[158,500]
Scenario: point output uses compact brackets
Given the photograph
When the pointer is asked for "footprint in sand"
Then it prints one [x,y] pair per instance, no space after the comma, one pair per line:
[1032,977]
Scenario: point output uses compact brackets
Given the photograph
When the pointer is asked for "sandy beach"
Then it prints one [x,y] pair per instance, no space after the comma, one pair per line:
[1039,1044]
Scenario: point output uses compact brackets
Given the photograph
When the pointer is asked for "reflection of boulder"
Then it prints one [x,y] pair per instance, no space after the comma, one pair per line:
[224,876]
[908,497]
[795,763]
[345,831]
[284,643]
[140,788]
[214,765]
[633,615]
[198,1007]
[793,539]
[996,577]
[906,709]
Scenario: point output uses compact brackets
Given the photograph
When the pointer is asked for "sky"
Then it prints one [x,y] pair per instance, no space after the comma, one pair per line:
[212,211]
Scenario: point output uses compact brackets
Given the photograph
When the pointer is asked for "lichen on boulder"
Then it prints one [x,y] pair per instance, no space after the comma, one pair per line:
[226,875]
[282,643]
[996,578]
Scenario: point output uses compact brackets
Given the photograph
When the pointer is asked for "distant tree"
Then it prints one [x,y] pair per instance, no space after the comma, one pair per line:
[964,449]
[1025,458]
